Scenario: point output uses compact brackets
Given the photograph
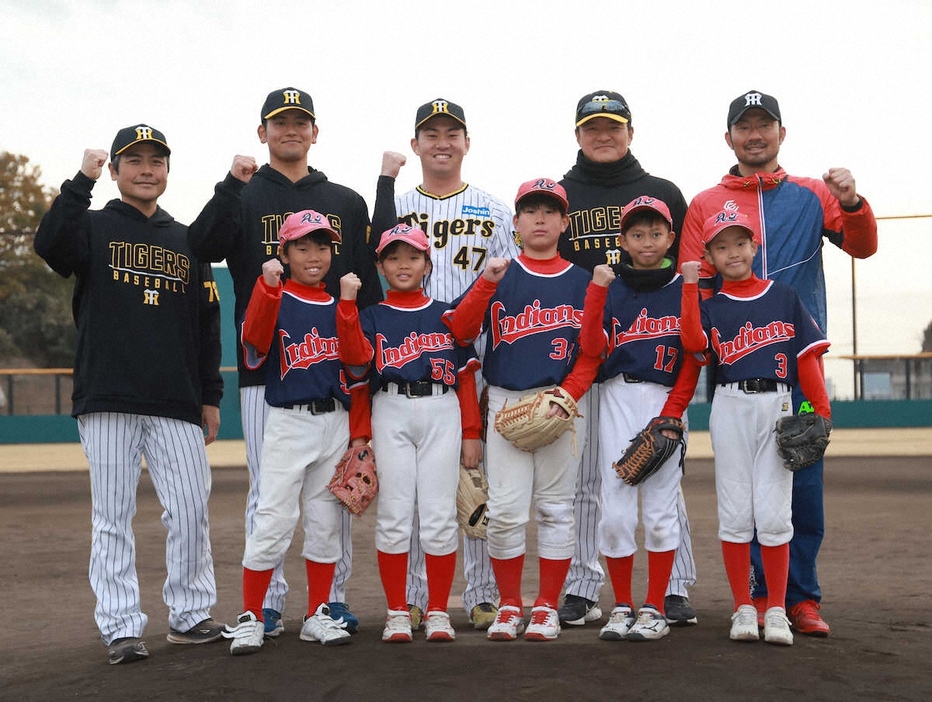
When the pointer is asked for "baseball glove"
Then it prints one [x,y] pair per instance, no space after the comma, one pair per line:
[650,449]
[802,439]
[355,482]
[526,424]
[472,496]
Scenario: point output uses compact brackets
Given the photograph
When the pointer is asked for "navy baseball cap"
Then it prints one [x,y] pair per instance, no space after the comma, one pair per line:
[139,134]
[602,103]
[287,99]
[438,108]
[751,99]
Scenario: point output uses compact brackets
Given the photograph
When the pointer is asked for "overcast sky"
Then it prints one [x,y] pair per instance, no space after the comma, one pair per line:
[852,78]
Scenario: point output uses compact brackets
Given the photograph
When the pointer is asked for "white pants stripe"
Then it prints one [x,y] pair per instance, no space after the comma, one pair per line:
[114,444]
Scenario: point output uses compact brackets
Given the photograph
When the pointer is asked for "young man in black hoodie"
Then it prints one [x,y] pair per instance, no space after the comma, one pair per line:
[605,177]
[240,224]
[146,379]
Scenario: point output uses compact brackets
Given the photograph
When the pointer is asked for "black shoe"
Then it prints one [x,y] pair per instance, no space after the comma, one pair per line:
[576,611]
[126,650]
[678,611]
[205,631]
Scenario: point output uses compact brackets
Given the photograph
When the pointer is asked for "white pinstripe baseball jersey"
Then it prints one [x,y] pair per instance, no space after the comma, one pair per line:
[465,229]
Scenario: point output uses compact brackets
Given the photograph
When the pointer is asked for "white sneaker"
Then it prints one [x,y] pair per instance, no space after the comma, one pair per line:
[619,622]
[650,626]
[397,626]
[321,627]
[744,624]
[438,627]
[777,627]
[544,625]
[247,635]
[507,625]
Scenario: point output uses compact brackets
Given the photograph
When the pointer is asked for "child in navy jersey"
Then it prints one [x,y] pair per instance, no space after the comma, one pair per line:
[420,427]
[290,329]
[634,320]
[532,310]
[763,342]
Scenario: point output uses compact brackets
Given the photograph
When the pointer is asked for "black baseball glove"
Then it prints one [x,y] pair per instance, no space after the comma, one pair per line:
[802,439]
[650,449]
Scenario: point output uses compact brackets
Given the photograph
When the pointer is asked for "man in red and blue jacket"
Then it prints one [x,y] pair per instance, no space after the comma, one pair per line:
[791,215]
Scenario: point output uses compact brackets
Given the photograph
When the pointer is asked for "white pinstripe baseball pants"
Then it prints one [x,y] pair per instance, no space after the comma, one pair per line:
[114,444]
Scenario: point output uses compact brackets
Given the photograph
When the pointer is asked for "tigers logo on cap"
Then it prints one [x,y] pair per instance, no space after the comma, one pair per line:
[139,134]
[287,99]
[439,108]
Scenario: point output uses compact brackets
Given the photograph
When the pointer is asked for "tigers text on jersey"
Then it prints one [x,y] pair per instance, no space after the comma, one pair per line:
[303,362]
[643,330]
[412,344]
[532,325]
[759,336]
[465,229]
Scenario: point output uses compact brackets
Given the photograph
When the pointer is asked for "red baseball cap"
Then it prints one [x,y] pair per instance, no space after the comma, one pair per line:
[543,186]
[406,233]
[304,222]
[722,220]
[646,202]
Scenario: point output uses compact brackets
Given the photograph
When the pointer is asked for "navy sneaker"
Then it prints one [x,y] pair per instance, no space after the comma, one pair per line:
[340,610]
[273,622]
[678,611]
[576,611]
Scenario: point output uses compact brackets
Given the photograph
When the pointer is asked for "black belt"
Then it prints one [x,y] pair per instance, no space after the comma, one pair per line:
[419,388]
[631,378]
[316,406]
[754,385]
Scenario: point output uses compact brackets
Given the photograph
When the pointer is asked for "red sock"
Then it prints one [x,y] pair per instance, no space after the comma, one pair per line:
[738,569]
[776,562]
[255,585]
[619,571]
[319,582]
[393,569]
[659,567]
[552,576]
[440,572]
[508,574]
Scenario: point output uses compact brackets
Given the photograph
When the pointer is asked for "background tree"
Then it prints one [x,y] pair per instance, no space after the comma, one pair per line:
[36,326]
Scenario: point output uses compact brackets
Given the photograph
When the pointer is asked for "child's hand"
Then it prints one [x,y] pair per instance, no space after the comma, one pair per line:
[603,275]
[495,269]
[349,286]
[243,167]
[272,271]
[471,452]
[690,271]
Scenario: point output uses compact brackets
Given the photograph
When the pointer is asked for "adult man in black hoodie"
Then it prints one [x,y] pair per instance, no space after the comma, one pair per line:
[240,224]
[146,378]
[606,177]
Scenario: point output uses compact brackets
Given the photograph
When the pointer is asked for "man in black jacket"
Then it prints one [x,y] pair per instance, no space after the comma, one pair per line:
[146,379]
[605,178]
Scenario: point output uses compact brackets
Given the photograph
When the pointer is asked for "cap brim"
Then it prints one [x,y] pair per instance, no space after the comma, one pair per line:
[752,107]
[439,114]
[609,115]
[161,143]
[288,107]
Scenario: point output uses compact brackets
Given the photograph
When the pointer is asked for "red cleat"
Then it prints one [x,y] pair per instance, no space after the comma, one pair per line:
[806,619]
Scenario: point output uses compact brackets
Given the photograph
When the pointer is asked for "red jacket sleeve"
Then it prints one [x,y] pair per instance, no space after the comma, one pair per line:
[860,231]
[592,334]
[262,316]
[469,404]
[360,414]
[691,333]
[683,389]
[355,349]
[812,382]
[465,320]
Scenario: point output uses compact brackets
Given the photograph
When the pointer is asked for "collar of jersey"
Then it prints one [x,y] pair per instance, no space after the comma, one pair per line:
[764,181]
[544,266]
[310,293]
[412,300]
[749,287]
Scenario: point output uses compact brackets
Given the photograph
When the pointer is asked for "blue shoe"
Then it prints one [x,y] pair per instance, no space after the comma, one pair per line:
[339,610]
[273,622]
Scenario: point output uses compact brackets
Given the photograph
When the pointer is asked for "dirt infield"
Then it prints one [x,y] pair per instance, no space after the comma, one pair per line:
[876,573]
